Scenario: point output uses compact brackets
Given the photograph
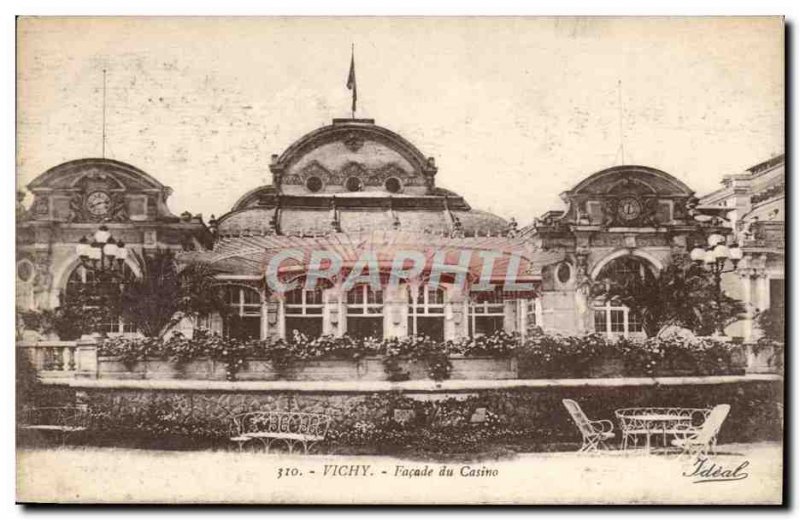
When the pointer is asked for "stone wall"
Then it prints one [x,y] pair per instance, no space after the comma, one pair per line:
[532,417]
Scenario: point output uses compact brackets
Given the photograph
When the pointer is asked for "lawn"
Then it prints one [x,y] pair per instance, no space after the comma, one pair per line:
[92,474]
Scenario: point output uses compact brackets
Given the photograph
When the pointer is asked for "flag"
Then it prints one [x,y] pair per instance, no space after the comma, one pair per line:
[351,81]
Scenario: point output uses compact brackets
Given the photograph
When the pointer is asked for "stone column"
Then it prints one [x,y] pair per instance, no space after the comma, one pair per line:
[522,318]
[264,318]
[281,317]
[583,313]
[334,313]
[510,316]
[747,299]
[455,317]
[86,365]
[272,317]
[395,311]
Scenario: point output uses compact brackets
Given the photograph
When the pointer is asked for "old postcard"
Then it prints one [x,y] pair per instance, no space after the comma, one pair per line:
[400,260]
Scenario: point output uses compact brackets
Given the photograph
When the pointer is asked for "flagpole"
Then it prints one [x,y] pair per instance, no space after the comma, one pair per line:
[352,60]
[351,80]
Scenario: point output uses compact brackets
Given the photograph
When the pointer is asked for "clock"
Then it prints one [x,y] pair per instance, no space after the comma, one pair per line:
[98,203]
[629,209]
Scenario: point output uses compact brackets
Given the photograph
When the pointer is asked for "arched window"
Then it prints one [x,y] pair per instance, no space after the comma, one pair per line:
[304,312]
[244,319]
[365,312]
[613,318]
[91,289]
[426,311]
[487,312]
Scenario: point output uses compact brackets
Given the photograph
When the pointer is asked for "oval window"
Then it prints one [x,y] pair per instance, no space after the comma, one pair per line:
[564,272]
[393,185]
[314,184]
[353,184]
[25,271]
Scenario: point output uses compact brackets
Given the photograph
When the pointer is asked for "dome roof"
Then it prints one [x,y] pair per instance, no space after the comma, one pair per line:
[353,176]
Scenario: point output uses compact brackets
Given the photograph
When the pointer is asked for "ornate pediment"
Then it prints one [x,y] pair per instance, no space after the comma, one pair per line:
[378,177]
[97,190]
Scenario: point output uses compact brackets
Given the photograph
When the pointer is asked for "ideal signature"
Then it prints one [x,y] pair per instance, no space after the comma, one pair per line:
[708,471]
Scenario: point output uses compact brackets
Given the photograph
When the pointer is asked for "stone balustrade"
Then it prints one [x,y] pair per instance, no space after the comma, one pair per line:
[57,358]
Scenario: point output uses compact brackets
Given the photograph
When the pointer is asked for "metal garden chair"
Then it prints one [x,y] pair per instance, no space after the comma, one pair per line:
[594,433]
[694,442]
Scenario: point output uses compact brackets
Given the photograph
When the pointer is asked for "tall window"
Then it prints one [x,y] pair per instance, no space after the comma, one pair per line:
[426,311]
[612,318]
[487,312]
[365,312]
[244,320]
[530,308]
[616,319]
[776,293]
[92,291]
[304,313]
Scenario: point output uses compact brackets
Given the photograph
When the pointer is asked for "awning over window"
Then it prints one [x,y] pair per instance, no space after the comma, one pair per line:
[251,255]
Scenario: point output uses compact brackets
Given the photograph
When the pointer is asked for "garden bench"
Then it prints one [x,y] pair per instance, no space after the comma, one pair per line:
[64,420]
[293,428]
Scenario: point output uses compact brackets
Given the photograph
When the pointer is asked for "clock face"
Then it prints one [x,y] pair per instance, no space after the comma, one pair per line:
[629,209]
[98,203]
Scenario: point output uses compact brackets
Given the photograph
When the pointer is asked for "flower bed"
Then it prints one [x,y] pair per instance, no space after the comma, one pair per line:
[499,356]
[595,355]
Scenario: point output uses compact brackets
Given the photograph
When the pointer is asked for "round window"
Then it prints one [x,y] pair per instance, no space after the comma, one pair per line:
[393,185]
[353,184]
[25,271]
[314,184]
[564,272]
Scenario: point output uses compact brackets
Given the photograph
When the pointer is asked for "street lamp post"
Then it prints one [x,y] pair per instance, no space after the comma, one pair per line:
[104,255]
[714,258]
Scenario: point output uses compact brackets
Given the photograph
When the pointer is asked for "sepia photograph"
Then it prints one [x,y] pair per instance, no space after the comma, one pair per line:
[400,260]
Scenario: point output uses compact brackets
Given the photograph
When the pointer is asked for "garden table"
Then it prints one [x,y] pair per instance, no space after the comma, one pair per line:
[647,421]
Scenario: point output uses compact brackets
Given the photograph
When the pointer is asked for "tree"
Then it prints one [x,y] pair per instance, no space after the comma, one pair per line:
[772,323]
[682,294]
[165,293]
[85,310]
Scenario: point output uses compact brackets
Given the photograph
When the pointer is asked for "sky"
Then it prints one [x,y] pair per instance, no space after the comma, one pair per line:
[514,110]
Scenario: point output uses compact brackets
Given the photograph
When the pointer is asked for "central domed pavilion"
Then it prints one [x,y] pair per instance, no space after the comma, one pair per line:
[352,188]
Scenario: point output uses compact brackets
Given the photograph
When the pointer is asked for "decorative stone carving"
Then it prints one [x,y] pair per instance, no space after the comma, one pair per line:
[353,141]
[512,228]
[20,209]
[581,215]
[43,280]
[117,209]
[41,207]
[649,216]
[378,176]
[609,209]
[118,212]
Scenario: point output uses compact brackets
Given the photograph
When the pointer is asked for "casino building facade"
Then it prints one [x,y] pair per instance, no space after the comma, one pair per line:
[355,188]
[754,202]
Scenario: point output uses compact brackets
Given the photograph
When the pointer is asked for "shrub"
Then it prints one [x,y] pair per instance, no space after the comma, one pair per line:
[498,344]
[540,355]
[575,356]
